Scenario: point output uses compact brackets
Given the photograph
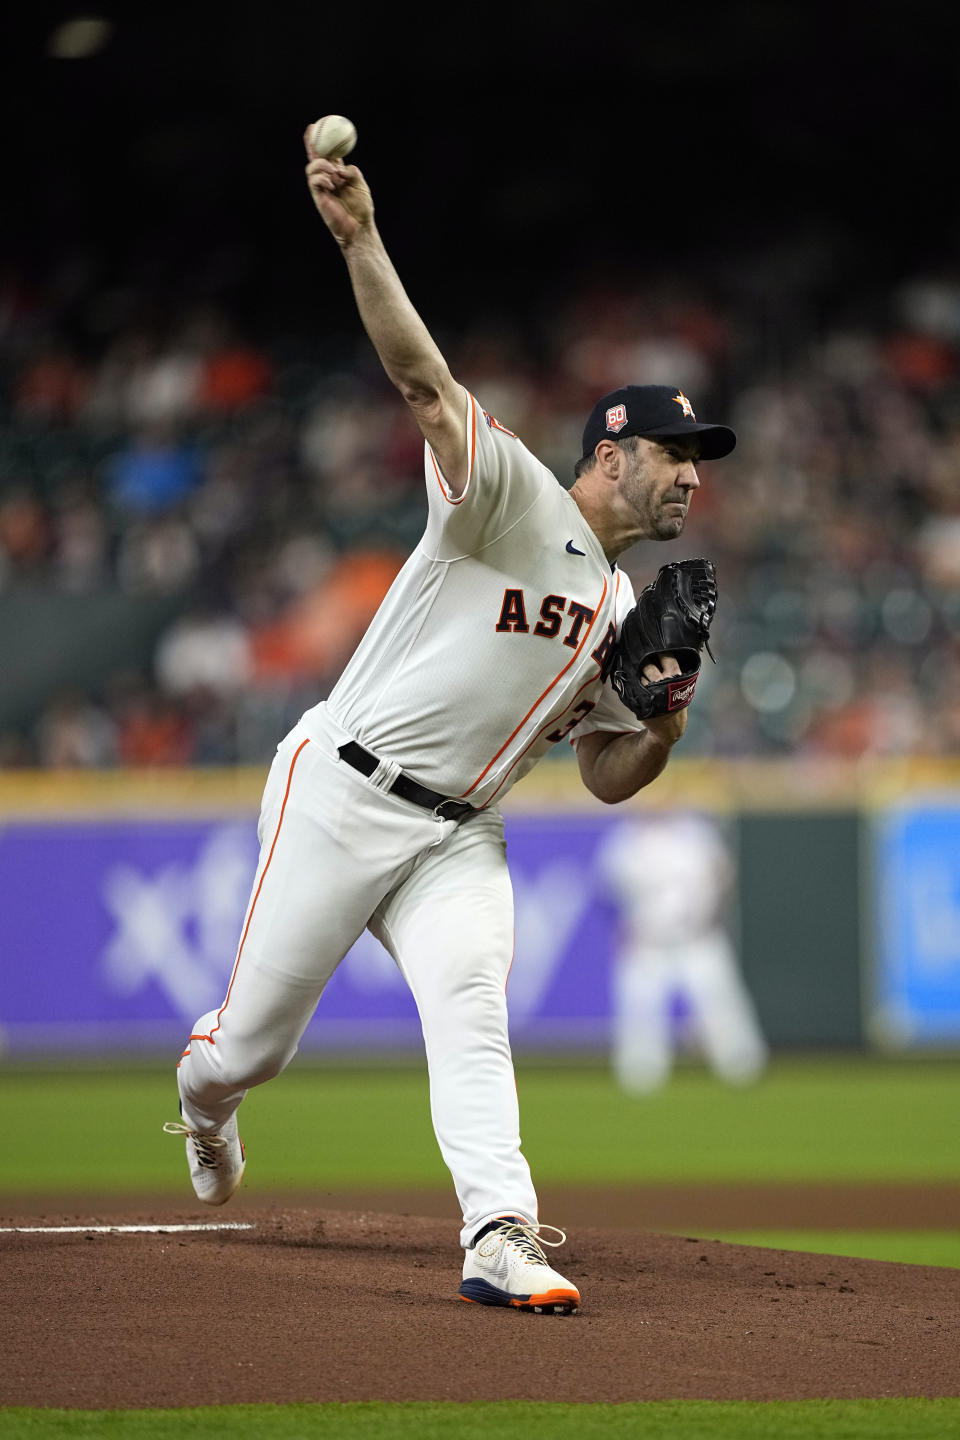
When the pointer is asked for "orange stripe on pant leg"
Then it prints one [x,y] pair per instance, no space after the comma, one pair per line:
[253,905]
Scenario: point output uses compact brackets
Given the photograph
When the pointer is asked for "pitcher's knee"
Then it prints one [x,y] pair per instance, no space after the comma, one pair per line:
[456,1020]
[242,1067]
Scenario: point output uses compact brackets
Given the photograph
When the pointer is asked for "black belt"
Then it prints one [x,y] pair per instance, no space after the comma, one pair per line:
[407,789]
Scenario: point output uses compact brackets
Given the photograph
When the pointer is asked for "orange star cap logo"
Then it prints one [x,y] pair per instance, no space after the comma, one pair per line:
[681,400]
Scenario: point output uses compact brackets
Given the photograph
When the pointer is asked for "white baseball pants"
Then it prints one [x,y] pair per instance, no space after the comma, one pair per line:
[339,854]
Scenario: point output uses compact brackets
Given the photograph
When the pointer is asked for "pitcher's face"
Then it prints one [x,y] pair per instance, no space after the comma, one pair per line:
[658,484]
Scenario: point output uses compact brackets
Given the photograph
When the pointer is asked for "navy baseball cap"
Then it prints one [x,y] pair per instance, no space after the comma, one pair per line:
[657,412]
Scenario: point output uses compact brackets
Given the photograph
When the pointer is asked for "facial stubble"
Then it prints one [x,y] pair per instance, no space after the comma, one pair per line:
[639,490]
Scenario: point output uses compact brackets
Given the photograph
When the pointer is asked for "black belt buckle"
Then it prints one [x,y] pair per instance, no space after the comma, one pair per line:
[452,810]
[407,788]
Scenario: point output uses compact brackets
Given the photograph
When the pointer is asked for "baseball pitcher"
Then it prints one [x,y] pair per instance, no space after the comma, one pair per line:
[499,639]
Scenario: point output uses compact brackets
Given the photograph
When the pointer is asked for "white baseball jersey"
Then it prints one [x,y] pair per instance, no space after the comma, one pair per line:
[487,650]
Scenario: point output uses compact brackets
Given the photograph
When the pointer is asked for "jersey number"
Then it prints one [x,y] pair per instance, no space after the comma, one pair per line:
[580,712]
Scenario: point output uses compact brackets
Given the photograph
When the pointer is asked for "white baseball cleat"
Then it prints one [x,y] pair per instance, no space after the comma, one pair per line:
[506,1266]
[216,1159]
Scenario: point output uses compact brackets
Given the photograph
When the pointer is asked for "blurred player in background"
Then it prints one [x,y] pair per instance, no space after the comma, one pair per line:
[671,875]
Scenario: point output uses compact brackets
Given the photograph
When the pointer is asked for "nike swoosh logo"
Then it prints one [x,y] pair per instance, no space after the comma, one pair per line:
[572,549]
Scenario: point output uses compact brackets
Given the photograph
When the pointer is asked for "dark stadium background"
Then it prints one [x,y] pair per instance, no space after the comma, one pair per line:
[510,148]
[770,184]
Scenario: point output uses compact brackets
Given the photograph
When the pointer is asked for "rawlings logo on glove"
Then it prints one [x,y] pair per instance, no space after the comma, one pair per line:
[680,695]
[673,617]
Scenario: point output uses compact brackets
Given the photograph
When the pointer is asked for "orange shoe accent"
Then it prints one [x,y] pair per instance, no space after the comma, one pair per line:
[549,1297]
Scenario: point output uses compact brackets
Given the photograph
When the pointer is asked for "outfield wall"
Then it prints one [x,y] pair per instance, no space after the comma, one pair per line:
[123,896]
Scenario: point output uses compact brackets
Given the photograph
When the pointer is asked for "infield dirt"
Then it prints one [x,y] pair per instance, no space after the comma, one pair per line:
[357,1305]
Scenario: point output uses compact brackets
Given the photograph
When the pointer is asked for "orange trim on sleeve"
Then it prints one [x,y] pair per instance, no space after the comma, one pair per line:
[458,499]
[536,704]
[253,903]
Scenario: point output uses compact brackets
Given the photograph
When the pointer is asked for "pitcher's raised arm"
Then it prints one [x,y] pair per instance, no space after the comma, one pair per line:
[406,348]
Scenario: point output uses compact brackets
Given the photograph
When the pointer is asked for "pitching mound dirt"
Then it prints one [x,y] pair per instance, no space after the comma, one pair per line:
[331,1305]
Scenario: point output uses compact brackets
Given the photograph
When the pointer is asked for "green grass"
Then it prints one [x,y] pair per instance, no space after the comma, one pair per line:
[818,1119]
[909,1247]
[510,1420]
[829,1120]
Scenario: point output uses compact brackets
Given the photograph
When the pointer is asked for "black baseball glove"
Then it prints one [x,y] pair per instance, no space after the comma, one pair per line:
[672,616]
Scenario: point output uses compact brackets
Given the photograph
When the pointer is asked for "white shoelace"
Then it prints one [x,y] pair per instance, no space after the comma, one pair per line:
[204,1145]
[530,1242]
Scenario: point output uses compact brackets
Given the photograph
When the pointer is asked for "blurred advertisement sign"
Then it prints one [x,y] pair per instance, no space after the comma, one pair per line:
[118,934]
[916,989]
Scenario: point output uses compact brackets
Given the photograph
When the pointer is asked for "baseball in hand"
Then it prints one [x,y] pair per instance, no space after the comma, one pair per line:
[332,137]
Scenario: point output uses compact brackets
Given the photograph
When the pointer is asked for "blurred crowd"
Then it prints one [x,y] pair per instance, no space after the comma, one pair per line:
[257,496]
